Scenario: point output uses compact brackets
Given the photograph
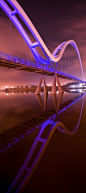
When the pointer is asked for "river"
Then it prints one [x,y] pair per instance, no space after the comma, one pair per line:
[61,163]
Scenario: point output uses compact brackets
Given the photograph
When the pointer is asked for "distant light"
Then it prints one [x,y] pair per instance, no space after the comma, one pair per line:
[80,90]
[80,84]
[73,90]
[73,86]
[6,86]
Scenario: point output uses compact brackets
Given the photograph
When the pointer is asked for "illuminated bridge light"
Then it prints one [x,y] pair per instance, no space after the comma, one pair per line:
[49,57]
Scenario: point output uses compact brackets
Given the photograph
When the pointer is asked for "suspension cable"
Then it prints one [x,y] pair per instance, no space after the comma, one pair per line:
[10,38]
[24,42]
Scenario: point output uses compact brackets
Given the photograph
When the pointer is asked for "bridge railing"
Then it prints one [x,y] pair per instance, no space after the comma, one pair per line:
[14,59]
[10,58]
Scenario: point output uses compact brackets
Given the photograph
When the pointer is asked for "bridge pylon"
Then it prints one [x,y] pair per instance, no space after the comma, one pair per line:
[59,85]
[55,79]
[53,91]
[39,86]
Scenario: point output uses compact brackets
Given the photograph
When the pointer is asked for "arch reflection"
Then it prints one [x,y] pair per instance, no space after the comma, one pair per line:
[43,138]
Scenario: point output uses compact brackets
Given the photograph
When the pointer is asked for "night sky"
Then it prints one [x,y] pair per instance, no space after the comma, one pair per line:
[56,21]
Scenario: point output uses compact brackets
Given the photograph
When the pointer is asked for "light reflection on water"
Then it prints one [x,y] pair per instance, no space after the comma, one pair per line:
[69,117]
[18,107]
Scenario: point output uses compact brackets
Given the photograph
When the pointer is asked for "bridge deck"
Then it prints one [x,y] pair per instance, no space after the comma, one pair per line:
[32,67]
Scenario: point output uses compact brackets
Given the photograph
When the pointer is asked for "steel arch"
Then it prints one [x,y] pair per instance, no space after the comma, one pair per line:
[39,42]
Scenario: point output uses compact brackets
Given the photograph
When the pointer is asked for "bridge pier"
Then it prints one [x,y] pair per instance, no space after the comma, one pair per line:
[59,85]
[53,91]
[39,86]
[55,79]
[44,85]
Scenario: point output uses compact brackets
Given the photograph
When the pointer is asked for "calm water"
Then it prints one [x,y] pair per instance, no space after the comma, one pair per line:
[62,166]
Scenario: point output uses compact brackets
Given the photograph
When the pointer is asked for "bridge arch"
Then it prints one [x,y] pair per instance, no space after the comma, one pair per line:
[39,42]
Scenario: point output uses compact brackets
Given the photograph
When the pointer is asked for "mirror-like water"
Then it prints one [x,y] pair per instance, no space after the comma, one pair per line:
[48,130]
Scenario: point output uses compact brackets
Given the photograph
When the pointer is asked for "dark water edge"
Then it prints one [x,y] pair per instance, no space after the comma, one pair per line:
[62,167]
[15,108]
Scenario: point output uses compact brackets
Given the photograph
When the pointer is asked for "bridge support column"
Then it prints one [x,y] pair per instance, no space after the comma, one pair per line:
[59,85]
[53,91]
[55,79]
[44,85]
[39,86]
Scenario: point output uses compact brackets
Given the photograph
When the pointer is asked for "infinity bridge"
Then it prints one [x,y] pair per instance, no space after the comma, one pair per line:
[46,64]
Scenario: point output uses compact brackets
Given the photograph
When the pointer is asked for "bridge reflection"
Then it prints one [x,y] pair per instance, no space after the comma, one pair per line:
[20,131]
[47,129]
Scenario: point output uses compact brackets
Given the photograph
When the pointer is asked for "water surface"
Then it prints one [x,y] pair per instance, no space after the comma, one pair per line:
[62,167]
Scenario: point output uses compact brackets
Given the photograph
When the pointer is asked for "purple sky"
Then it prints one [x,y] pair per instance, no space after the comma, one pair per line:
[56,21]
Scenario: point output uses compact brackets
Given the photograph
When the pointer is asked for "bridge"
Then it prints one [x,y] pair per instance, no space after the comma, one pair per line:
[9,61]
[45,63]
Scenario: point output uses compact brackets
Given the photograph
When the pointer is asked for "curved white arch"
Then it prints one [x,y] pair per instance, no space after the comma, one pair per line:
[62,48]
[39,42]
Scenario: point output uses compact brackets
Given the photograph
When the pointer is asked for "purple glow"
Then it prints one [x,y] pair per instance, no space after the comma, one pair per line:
[39,42]
[20,183]
[15,140]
